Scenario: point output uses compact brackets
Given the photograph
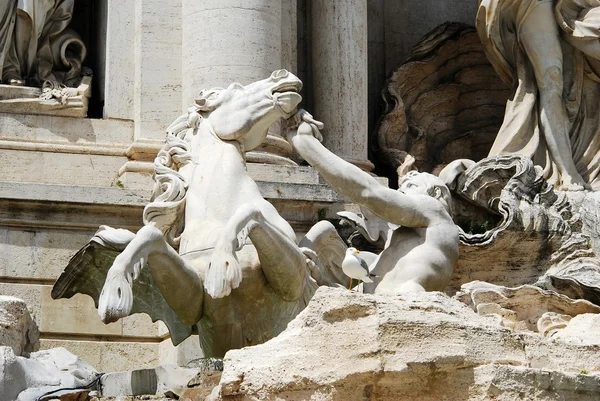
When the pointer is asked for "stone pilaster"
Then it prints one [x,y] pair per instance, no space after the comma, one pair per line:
[156,84]
[157,54]
[340,76]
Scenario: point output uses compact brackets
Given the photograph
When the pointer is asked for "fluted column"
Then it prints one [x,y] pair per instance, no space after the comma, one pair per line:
[340,76]
[238,41]
[229,41]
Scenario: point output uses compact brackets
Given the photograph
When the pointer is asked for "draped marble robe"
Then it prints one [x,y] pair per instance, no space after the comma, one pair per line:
[499,26]
[29,33]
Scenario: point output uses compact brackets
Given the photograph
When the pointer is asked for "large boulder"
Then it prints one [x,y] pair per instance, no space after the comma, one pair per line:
[17,328]
[426,346]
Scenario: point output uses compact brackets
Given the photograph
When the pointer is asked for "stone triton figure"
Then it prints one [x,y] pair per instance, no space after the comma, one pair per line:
[422,250]
[191,264]
[548,51]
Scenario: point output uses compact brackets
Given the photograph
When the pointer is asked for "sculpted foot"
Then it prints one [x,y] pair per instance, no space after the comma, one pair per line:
[573,182]
[224,273]
[116,298]
[16,82]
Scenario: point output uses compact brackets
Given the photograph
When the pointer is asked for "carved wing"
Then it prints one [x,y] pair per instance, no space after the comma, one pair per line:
[372,227]
[330,248]
[87,271]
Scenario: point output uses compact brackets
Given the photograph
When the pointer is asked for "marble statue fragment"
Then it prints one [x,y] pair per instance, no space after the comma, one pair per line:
[548,51]
[213,256]
[41,59]
[422,247]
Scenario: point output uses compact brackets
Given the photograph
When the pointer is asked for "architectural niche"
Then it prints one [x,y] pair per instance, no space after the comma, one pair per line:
[445,102]
[41,60]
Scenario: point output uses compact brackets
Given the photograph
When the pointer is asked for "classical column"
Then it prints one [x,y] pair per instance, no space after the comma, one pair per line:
[238,41]
[340,76]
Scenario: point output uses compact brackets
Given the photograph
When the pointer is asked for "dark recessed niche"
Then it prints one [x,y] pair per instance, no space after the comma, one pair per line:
[89,21]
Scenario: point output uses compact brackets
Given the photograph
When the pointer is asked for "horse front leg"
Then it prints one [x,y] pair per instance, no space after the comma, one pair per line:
[282,261]
[170,272]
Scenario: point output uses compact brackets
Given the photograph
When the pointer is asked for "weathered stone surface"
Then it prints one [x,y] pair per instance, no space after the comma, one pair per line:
[17,328]
[587,205]
[350,346]
[201,386]
[582,330]
[136,398]
[340,76]
[444,102]
[113,356]
[29,379]
[526,307]
[517,229]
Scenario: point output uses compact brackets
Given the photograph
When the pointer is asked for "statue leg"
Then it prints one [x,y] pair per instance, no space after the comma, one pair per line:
[282,261]
[539,36]
[175,278]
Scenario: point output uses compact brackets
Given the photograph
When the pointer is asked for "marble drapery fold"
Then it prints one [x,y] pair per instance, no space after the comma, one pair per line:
[36,45]
[518,36]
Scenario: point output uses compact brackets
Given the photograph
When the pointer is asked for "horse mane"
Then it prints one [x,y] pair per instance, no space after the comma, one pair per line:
[166,211]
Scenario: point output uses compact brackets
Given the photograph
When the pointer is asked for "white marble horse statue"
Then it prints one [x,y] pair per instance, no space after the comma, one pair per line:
[213,254]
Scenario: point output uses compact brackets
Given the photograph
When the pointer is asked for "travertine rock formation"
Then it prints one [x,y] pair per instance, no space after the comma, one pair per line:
[525,308]
[444,103]
[17,329]
[426,346]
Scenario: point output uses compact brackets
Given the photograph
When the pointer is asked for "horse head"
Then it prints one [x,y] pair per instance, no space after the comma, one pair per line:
[245,113]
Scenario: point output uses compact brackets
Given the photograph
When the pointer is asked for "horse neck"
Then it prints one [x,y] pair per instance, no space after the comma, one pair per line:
[208,145]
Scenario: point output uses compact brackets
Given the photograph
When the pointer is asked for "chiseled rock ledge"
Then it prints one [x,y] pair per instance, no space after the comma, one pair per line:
[421,346]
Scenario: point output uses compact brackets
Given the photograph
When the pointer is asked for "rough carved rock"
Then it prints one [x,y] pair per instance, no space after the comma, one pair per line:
[531,236]
[525,308]
[17,328]
[43,372]
[350,346]
[587,205]
[581,330]
[444,103]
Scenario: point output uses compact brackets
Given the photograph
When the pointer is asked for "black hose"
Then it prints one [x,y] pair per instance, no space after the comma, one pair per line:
[89,385]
